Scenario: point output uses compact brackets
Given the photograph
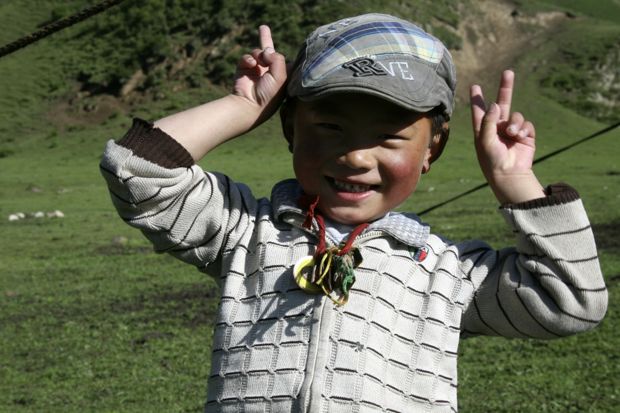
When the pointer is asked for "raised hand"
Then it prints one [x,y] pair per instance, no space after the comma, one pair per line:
[258,90]
[505,144]
[261,74]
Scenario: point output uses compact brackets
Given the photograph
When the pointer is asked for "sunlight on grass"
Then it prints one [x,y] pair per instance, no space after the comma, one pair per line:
[92,320]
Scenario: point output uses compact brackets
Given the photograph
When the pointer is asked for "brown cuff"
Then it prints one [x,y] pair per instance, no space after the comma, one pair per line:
[557,194]
[155,145]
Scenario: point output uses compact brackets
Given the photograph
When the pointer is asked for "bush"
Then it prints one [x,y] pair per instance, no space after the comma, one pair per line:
[152,35]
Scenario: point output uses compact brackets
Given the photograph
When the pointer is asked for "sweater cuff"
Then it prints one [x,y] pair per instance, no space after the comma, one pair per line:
[557,194]
[155,146]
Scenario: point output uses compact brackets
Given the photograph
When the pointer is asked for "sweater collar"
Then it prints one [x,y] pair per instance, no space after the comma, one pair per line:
[404,227]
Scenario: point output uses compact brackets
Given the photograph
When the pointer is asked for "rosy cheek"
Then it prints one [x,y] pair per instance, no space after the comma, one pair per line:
[403,169]
[403,174]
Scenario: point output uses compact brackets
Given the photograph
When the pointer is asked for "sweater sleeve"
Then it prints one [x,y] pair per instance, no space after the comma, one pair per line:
[550,285]
[183,210]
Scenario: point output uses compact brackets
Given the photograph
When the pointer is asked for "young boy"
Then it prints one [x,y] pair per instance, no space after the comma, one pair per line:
[330,301]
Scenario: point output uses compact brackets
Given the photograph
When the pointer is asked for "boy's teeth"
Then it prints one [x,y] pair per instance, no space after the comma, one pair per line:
[347,187]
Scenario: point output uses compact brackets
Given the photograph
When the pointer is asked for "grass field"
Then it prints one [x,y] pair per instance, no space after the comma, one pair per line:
[92,320]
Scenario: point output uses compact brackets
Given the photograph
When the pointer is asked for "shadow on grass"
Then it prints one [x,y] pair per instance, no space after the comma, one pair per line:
[112,249]
[192,306]
[607,236]
[189,306]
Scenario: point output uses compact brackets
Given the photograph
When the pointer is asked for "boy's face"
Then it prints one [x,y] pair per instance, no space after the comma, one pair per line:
[362,155]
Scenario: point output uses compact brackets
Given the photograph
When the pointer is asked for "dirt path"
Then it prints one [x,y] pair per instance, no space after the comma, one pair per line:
[495,35]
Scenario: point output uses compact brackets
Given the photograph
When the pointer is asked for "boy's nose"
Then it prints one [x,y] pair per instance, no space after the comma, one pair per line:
[358,159]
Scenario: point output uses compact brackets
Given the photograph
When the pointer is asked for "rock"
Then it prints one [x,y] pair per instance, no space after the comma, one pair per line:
[136,80]
[55,214]
[119,241]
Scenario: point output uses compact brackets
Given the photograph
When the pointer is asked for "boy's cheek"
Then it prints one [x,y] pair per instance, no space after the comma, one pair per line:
[404,176]
[405,169]
[306,172]
[309,153]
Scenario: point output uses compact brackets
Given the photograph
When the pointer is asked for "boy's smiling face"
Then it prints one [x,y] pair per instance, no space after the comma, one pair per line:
[360,154]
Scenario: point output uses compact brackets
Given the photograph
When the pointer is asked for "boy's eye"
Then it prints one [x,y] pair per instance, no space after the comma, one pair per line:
[329,126]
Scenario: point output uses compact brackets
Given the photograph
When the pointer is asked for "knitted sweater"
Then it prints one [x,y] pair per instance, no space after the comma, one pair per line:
[393,346]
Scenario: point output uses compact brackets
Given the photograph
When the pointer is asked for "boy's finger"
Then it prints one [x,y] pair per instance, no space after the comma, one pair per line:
[528,130]
[276,63]
[264,33]
[478,107]
[504,94]
[514,123]
[247,61]
[488,130]
[257,54]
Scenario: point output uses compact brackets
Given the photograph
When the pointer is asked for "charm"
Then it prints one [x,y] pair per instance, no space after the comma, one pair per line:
[419,254]
[341,275]
[330,273]
[303,272]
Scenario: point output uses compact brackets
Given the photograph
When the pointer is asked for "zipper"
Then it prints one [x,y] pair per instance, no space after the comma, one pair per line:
[323,316]
[311,365]
[368,235]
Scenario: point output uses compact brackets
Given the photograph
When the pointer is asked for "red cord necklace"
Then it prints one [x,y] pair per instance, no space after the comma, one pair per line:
[329,270]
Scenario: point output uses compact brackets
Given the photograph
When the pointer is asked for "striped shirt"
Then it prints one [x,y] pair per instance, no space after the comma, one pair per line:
[393,347]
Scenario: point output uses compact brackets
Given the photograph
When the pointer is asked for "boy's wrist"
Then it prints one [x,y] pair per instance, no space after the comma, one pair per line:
[516,188]
[202,128]
[555,194]
[248,112]
[240,115]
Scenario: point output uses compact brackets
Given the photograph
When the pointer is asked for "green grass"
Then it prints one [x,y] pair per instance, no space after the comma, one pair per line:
[92,320]
[602,10]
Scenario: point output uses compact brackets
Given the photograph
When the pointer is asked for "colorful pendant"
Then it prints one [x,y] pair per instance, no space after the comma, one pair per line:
[303,272]
[334,275]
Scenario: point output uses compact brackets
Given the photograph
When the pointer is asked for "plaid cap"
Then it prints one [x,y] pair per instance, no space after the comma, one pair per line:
[376,54]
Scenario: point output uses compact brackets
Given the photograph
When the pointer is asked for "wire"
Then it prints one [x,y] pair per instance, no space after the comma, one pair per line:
[106,4]
[542,158]
[57,26]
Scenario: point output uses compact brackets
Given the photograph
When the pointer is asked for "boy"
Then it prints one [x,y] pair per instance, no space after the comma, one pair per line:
[330,301]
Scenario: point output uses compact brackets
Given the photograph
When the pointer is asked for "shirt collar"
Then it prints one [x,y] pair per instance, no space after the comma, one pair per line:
[404,227]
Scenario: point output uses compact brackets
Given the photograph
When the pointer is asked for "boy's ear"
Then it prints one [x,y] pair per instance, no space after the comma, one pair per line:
[287,119]
[438,143]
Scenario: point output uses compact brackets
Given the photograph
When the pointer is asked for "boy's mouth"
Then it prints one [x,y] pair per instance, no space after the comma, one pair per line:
[348,186]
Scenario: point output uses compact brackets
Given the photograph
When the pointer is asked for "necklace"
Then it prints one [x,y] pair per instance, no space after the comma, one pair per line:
[330,270]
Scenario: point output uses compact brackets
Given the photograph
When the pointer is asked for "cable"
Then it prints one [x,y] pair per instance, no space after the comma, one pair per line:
[106,4]
[57,26]
[542,158]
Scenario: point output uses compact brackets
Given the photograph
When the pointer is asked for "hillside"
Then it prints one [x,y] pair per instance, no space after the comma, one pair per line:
[155,49]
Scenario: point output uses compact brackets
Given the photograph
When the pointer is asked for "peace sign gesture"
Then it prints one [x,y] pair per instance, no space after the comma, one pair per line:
[505,144]
[261,74]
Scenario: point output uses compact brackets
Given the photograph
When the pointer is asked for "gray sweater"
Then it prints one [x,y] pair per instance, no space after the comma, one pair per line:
[393,346]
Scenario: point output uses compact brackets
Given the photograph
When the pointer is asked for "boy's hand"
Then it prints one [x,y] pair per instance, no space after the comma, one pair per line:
[261,75]
[505,145]
[258,90]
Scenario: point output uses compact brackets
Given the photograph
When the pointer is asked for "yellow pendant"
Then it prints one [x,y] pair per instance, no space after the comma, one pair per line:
[302,272]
